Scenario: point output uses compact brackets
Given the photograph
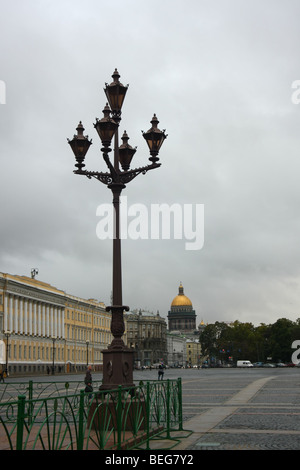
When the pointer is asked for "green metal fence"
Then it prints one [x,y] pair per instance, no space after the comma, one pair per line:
[9,391]
[51,416]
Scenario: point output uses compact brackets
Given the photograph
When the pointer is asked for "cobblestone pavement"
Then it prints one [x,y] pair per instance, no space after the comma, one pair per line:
[243,410]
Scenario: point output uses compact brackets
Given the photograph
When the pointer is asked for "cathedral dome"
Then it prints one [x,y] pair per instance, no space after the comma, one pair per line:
[181,300]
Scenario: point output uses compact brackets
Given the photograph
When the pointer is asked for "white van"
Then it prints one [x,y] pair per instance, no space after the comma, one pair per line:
[244,364]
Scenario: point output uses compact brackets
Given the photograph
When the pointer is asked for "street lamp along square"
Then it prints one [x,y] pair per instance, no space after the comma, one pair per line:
[154,138]
[80,145]
[115,93]
[106,128]
[117,358]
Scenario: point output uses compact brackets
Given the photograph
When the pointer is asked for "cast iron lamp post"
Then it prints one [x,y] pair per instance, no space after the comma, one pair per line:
[117,358]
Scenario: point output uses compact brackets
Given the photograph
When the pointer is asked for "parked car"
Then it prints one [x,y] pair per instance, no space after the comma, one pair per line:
[269,364]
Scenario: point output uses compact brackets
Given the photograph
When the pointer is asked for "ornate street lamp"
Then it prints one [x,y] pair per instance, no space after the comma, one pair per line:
[117,358]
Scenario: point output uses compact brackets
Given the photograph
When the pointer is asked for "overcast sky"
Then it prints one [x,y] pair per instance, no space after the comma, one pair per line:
[219,76]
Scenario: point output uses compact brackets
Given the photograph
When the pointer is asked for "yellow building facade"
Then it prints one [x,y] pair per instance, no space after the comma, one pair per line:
[45,330]
[87,332]
[193,352]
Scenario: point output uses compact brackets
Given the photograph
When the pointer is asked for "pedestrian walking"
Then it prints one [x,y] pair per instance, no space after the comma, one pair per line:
[160,372]
[2,376]
[88,376]
[89,389]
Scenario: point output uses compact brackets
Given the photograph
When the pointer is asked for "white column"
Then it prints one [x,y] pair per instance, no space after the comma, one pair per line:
[16,314]
[55,322]
[43,319]
[21,318]
[39,313]
[30,306]
[47,320]
[59,322]
[34,318]
[63,322]
[5,312]
[10,324]
[25,316]
[51,321]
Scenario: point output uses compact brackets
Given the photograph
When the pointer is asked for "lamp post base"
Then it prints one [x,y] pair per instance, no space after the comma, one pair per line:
[117,358]
[117,368]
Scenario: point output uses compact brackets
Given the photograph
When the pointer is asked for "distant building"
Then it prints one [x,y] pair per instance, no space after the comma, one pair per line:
[181,316]
[146,333]
[201,327]
[176,349]
[42,326]
[193,352]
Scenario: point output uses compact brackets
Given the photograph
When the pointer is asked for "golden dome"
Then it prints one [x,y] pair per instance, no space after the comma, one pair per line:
[181,299]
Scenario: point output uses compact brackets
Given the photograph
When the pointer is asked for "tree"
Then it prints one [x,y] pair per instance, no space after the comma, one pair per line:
[243,337]
[262,342]
[244,341]
[211,339]
[281,338]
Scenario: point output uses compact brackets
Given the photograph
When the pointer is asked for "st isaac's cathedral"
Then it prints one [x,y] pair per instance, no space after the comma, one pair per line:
[182,317]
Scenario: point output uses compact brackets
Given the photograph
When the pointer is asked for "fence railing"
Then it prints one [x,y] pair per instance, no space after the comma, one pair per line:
[9,391]
[53,417]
